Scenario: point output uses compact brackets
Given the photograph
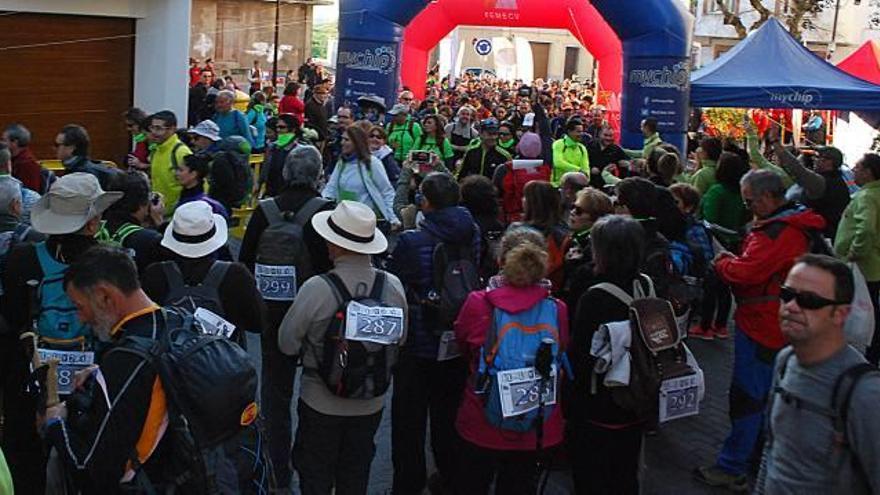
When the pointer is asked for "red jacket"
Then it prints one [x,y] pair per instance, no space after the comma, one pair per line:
[769,252]
[471,328]
[292,105]
[26,168]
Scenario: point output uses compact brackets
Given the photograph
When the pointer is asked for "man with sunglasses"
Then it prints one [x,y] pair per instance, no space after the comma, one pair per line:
[780,234]
[823,435]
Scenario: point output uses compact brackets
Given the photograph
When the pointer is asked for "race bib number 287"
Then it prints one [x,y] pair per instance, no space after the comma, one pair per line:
[379,324]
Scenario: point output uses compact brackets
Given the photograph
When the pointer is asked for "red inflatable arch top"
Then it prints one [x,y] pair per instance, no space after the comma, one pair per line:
[579,17]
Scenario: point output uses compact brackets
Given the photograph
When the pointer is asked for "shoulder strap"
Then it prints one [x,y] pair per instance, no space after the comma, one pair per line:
[216,274]
[308,210]
[126,230]
[271,210]
[338,287]
[21,232]
[378,286]
[615,291]
[844,388]
[174,163]
[172,275]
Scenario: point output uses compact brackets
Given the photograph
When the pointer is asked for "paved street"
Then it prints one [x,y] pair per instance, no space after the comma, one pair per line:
[670,456]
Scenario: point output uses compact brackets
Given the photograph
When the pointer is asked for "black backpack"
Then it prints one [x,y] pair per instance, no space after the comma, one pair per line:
[359,367]
[239,169]
[211,389]
[191,297]
[283,261]
[455,276]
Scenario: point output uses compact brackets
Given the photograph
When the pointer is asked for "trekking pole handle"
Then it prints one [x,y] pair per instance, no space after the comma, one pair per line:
[52,398]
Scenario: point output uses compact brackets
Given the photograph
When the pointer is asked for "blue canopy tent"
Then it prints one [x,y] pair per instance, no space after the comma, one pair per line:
[771,69]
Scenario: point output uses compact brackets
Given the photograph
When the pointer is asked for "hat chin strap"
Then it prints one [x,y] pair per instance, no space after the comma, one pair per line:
[348,235]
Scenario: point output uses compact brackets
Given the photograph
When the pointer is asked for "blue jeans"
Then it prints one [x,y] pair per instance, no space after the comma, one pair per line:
[752,378]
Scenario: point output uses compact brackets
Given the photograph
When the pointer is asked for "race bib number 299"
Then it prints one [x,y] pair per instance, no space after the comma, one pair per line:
[276,282]
[379,324]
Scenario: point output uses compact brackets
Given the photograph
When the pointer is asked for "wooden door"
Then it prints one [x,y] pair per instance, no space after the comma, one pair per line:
[65,69]
[540,59]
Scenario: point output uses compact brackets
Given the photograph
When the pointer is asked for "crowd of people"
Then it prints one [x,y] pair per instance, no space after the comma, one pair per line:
[477,249]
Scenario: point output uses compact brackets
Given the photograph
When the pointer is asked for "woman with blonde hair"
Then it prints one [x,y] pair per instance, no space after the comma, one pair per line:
[492,447]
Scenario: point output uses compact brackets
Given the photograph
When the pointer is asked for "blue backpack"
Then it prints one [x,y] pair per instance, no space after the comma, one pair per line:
[510,369]
[58,324]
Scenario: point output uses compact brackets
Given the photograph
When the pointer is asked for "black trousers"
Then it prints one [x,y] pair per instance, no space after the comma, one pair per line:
[276,390]
[334,451]
[716,301]
[604,461]
[424,388]
[873,352]
[21,444]
[514,472]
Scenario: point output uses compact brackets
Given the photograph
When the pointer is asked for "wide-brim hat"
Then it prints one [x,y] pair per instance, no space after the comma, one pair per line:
[207,129]
[195,231]
[71,202]
[352,226]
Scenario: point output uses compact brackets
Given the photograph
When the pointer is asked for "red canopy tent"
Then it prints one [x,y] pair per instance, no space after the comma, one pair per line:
[864,63]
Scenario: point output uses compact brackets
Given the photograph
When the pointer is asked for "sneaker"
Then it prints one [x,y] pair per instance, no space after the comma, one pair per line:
[699,332]
[715,476]
[720,332]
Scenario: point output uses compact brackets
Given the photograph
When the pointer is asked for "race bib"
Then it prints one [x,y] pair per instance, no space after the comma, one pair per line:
[213,324]
[276,282]
[382,325]
[448,348]
[520,390]
[679,397]
[69,362]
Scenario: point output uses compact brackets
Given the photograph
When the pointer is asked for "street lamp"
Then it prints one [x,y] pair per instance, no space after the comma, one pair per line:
[275,46]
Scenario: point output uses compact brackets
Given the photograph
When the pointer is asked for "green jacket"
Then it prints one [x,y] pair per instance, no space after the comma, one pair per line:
[402,137]
[762,163]
[724,207]
[651,142]
[428,143]
[162,166]
[858,234]
[704,178]
[569,156]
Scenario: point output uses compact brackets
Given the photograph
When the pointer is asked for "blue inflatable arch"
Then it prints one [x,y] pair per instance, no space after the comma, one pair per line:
[655,36]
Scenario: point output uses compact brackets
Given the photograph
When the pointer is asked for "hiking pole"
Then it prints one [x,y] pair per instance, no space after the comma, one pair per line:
[544,366]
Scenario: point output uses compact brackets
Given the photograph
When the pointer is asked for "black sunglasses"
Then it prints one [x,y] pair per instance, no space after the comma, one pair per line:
[806,300]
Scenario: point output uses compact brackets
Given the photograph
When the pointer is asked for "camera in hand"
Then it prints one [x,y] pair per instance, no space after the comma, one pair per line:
[422,161]
[525,91]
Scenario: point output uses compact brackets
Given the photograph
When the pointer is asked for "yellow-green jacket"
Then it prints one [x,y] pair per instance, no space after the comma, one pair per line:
[569,156]
[162,170]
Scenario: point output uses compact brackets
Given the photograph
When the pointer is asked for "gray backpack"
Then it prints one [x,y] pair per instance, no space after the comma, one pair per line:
[283,261]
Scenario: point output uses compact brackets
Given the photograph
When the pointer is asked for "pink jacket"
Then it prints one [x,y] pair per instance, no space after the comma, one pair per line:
[471,327]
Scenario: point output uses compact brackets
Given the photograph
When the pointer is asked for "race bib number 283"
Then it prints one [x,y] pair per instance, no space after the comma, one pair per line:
[379,324]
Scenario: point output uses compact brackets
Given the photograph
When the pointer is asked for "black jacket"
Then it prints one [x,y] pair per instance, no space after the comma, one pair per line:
[832,203]
[83,164]
[480,161]
[242,303]
[145,244]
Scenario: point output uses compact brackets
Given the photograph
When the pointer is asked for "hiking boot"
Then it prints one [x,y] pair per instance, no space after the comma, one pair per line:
[699,332]
[720,332]
[715,476]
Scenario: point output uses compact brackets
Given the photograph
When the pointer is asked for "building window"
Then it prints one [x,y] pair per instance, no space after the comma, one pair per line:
[712,7]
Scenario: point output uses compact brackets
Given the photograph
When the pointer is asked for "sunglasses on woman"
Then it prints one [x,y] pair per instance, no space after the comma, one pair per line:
[806,300]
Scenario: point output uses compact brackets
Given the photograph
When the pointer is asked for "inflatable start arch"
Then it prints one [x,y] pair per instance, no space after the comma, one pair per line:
[642,47]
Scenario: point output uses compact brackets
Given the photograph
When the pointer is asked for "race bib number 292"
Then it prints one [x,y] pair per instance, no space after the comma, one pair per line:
[379,324]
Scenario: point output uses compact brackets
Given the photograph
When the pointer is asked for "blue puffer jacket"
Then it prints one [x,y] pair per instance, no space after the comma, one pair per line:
[412,263]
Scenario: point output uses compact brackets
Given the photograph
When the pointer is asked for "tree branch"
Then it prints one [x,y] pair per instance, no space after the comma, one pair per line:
[763,11]
[732,19]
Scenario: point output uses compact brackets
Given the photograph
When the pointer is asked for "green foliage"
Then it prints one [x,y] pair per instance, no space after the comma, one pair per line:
[320,34]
